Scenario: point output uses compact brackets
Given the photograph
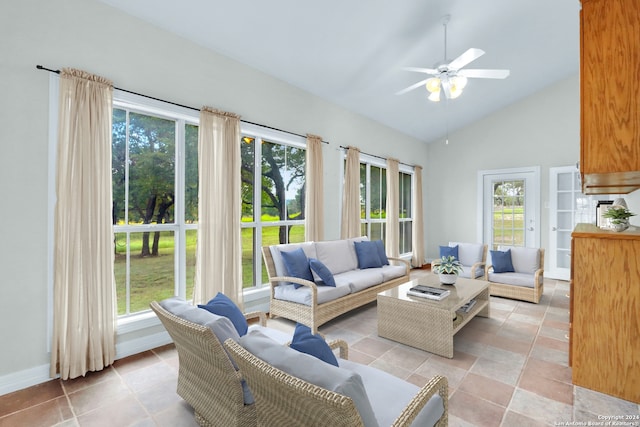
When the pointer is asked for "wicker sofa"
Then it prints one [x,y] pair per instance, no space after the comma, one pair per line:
[207,378]
[296,389]
[314,305]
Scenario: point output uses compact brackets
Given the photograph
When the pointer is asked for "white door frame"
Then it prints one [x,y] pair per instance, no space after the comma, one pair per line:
[533,194]
[554,271]
[578,208]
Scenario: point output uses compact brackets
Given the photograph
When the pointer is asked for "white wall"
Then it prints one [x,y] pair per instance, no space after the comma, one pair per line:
[136,56]
[541,130]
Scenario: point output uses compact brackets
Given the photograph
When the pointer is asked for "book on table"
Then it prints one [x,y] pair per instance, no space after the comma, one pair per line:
[429,292]
[467,307]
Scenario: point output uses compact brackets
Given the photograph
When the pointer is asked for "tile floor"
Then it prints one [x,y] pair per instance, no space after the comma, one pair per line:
[508,370]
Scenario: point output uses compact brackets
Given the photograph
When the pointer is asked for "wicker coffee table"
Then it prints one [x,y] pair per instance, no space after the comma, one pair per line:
[427,324]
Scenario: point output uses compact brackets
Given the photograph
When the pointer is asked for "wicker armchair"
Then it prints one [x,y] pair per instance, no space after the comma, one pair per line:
[207,380]
[472,256]
[525,284]
[285,400]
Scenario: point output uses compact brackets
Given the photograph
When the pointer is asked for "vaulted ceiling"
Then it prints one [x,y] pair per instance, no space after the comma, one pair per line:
[352,53]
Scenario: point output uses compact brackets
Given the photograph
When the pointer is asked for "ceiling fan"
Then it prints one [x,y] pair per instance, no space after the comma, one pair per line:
[451,77]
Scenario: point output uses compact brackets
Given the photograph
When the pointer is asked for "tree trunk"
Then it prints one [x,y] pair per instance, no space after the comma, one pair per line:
[162,211]
[148,215]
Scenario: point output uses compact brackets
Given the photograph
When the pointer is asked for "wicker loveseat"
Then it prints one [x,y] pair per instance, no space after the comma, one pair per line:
[312,304]
[207,378]
[296,389]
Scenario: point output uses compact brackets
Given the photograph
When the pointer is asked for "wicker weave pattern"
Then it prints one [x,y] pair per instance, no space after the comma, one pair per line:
[207,379]
[522,293]
[427,325]
[283,400]
[316,314]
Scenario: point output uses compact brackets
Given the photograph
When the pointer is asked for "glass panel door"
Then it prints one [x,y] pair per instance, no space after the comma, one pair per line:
[567,207]
[510,207]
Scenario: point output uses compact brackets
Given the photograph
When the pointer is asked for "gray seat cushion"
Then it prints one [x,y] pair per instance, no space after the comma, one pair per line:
[466,272]
[515,279]
[302,295]
[360,279]
[389,395]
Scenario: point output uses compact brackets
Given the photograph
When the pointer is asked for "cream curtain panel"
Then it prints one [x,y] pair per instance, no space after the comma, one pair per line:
[350,224]
[84,296]
[392,235]
[314,191]
[417,231]
[219,250]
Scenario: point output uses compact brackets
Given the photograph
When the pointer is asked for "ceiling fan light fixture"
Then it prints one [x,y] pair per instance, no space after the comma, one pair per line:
[455,91]
[434,96]
[433,84]
[459,81]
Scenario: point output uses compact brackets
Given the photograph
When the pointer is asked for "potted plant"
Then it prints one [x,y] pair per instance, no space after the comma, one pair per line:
[447,268]
[619,216]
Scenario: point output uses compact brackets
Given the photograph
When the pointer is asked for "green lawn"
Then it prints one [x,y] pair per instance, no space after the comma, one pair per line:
[152,278]
[508,226]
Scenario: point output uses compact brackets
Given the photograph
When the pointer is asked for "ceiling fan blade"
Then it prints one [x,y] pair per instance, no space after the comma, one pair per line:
[421,70]
[485,74]
[412,87]
[464,59]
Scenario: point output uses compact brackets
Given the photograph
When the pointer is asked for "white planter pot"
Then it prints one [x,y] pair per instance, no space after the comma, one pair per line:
[447,279]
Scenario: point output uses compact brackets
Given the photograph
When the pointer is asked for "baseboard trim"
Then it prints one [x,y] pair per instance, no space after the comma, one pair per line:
[40,374]
[148,342]
[23,379]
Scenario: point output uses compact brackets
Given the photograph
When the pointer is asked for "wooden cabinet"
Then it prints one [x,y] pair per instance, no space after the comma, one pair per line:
[605,311]
[610,96]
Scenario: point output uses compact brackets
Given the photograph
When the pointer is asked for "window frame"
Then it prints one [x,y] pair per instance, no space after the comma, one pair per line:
[182,117]
[260,133]
[369,161]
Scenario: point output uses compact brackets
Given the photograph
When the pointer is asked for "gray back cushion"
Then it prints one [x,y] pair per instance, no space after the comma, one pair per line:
[308,248]
[337,255]
[524,260]
[469,253]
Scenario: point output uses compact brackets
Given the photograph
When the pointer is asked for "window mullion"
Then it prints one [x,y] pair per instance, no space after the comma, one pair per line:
[257,211]
[180,256]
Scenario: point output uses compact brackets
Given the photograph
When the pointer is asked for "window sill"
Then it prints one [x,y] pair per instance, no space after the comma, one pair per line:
[136,322]
[148,319]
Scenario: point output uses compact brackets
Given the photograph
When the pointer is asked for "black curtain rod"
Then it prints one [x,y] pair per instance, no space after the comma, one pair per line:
[40,67]
[379,157]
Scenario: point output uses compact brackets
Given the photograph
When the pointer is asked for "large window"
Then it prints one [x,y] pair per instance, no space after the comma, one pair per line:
[155,203]
[406,215]
[273,185]
[373,201]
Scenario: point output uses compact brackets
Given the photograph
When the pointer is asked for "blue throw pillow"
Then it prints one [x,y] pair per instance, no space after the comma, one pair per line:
[449,251]
[223,306]
[322,271]
[297,265]
[381,252]
[305,342]
[501,261]
[367,254]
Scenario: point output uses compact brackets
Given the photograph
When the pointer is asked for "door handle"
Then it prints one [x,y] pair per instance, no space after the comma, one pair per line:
[530,228]
[554,229]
